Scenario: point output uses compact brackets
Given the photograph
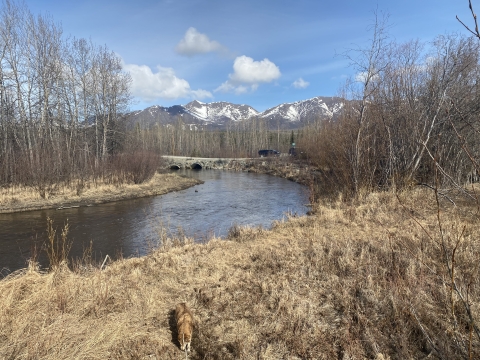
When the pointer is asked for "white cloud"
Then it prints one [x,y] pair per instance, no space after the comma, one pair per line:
[248,74]
[365,76]
[163,84]
[300,84]
[361,76]
[237,89]
[194,43]
[201,94]
[246,70]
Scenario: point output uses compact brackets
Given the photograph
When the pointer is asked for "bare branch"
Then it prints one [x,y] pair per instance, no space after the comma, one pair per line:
[437,165]
[439,193]
[476,32]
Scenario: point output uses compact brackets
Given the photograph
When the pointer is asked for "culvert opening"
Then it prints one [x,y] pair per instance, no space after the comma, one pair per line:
[196,166]
[174,167]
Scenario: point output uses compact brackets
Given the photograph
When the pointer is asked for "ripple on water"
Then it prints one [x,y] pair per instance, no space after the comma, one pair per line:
[132,226]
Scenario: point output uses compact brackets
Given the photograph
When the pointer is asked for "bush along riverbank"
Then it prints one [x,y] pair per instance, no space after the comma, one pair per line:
[384,277]
[285,167]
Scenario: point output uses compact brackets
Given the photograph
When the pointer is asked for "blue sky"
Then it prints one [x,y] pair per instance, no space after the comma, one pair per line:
[255,52]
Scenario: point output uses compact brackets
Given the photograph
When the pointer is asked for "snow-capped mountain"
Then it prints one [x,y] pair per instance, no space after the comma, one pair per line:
[219,111]
[217,115]
[305,111]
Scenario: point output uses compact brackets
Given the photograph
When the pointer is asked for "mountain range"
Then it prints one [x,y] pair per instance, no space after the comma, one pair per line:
[218,115]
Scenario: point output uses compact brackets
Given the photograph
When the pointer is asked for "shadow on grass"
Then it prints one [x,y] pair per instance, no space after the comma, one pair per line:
[172,324]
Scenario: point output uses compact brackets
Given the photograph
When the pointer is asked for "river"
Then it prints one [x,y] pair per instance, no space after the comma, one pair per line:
[132,227]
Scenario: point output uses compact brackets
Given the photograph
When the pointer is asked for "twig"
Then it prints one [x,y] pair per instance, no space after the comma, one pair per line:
[437,165]
[413,312]
[466,305]
[439,193]
[427,233]
[414,219]
[451,267]
[463,142]
[104,261]
[476,32]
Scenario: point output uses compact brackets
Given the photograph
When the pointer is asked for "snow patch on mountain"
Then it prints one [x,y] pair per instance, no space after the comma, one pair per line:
[212,112]
[217,115]
[300,110]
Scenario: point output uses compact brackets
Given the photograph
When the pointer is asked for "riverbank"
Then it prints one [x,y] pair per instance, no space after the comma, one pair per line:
[22,198]
[284,167]
[353,281]
[91,193]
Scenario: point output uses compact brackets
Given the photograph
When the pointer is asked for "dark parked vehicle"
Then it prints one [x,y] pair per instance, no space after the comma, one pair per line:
[265,153]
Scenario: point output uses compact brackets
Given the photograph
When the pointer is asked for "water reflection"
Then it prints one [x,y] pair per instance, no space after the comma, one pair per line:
[132,227]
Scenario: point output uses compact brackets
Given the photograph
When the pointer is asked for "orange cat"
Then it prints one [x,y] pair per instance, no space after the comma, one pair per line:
[184,319]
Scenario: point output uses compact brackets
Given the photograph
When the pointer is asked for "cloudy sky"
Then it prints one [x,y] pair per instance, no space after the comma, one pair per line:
[256,52]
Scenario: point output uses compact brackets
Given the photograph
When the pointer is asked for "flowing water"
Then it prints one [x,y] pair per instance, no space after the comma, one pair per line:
[132,227]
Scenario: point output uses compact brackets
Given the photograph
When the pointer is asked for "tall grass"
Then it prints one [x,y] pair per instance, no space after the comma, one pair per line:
[57,247]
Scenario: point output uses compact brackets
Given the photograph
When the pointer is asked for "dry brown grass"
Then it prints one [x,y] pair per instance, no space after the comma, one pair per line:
[351,282]
[21,198]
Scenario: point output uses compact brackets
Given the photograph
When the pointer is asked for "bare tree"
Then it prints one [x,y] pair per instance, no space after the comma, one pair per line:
[50,90]
[369,62]
[111,88]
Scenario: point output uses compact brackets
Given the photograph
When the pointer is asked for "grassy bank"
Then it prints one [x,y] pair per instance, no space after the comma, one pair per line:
[366,280]
[21,198]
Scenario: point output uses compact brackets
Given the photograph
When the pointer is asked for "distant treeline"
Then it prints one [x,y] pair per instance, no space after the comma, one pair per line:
[241,139]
